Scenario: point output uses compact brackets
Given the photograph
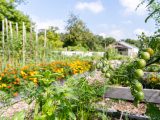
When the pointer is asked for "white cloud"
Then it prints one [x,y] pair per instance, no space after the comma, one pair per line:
[44,24]
[95,7]
[139,31]
[115,33]
[131,5]
[103,34]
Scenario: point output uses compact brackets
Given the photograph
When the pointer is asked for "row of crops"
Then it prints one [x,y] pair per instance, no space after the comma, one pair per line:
[14,80]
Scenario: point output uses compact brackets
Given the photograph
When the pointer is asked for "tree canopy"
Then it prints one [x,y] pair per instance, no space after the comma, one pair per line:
[8,10]
[133,42]
[52,37]
[79,35]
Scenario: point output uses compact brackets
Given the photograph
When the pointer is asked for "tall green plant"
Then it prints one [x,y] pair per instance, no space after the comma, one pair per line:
[70,100]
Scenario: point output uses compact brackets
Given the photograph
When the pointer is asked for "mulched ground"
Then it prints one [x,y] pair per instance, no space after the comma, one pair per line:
[17,107]
[123,106]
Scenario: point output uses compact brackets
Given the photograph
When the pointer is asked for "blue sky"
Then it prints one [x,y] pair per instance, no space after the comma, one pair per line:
[116,18]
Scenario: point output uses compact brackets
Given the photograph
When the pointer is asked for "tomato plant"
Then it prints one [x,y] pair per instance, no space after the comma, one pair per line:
[131,73]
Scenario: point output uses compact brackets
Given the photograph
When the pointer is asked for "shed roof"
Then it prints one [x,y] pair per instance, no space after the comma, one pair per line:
[127,45]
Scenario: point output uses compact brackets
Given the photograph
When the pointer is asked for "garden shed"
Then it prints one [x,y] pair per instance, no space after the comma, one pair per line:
[126,49]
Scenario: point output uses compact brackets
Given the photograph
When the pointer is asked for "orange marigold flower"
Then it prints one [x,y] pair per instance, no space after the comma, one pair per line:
[17,79]
[8,87]
[14,82]
[24,77]
[15,94]
[2,75]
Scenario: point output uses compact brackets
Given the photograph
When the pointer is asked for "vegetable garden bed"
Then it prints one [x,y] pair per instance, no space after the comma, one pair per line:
[123,107]
[151,95]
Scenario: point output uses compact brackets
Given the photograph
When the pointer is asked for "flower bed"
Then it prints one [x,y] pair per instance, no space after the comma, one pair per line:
[12,80]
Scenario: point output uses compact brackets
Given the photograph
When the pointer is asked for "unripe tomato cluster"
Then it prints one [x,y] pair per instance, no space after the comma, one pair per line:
[138,65]
[105,67]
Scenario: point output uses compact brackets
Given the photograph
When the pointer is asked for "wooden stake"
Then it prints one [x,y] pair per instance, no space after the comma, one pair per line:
[17,37]
[36,46]
[45,42]
[3,29]
[24,41]
[31,33]
[11,41]
[8,45]
[6,21]
[30,43]
[17,31]
[11,32]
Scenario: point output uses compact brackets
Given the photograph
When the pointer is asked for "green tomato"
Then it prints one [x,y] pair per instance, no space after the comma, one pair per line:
[111,67]
[139,73]
[138,86]
[145,55]
[141,63]
[107,75]
[150,51]
[139,96]
[105,69]
[105,62]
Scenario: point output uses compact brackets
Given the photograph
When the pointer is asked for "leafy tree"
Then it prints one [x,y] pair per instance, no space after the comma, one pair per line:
[100,41]
[8,10]
[133,42]
[78,33]
[76,30]
[108,40]
[53,38]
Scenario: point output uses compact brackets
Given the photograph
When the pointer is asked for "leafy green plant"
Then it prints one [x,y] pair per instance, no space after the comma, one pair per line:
[72,100]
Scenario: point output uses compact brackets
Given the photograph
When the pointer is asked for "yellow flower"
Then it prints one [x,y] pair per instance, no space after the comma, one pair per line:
[153,79]
[4,85]
[32,73]
[23,73]
[0,78]
[35,80]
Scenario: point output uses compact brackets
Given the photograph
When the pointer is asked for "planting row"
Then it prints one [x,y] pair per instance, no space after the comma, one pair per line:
[13,80]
